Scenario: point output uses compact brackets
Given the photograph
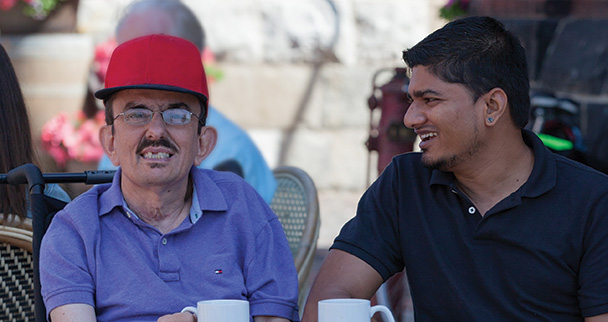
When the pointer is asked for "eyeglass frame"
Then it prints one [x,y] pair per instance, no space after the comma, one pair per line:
[108,106]
[162,113]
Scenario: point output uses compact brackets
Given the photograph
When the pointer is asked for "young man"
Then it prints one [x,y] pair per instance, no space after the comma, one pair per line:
[165,234]
[490,224]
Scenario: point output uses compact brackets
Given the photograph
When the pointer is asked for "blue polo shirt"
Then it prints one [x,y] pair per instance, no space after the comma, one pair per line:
[541,254]
[232,246]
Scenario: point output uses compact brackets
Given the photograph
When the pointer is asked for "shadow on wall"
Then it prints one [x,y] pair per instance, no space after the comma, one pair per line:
[323,56]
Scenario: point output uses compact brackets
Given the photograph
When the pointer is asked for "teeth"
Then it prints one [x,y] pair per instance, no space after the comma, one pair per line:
[427,136]
[161,155]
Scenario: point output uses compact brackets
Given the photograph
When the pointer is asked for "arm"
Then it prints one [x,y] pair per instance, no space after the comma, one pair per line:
[598,318]
[73,313]
[342,275]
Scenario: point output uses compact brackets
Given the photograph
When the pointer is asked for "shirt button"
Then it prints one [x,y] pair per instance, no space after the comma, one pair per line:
[164,241]
[471,210]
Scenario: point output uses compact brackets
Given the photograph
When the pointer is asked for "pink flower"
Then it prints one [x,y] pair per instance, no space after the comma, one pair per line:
[103,52]
[66,140]
[6,5]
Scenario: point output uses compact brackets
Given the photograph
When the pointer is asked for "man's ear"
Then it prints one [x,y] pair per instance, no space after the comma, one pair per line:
[496,105]
[106,138]
[206,143]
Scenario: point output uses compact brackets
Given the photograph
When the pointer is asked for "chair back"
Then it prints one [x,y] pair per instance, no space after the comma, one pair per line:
[16,273]
[296,204]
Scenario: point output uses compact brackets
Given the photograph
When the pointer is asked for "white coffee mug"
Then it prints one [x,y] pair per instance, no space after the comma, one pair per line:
[350,310]
[220,311]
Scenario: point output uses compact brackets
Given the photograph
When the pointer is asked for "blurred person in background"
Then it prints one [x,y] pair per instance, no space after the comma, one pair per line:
[235,151]
[16,140]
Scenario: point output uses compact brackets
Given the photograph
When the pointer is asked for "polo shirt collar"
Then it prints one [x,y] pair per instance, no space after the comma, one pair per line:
[542,178]
[209,197]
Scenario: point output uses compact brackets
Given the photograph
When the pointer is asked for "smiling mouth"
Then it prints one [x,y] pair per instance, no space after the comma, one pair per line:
[427,136]
[157,156]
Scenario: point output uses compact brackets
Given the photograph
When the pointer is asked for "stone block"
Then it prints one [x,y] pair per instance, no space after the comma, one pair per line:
[335,208]
[385,28]
[332,158]
[52,70]
[98,18]
[269,143]
[265,96]
[344,92]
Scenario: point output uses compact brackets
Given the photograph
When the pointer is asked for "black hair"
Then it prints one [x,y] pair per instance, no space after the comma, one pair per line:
[479,53]
[15,137]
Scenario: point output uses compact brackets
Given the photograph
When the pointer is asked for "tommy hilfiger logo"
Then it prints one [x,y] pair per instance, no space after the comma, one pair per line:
[218,271]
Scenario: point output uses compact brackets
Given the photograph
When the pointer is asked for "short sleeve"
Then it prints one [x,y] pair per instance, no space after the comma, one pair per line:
[271,277]
[64,271]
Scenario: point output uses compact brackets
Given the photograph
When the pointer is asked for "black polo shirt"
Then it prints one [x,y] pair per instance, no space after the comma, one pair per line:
[541,254]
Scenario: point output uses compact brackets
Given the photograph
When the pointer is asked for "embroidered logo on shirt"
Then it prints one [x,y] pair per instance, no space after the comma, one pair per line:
[218,271]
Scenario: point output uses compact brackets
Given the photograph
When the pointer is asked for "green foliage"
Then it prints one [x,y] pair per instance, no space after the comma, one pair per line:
[454,9]
[40,9]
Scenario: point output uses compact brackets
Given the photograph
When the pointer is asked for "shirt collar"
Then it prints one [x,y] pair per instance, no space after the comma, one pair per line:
[206,195]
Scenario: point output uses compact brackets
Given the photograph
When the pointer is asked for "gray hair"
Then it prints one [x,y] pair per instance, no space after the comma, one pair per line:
[185,24]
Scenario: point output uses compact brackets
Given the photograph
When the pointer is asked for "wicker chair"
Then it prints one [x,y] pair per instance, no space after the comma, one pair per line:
[296,205]
[16,273]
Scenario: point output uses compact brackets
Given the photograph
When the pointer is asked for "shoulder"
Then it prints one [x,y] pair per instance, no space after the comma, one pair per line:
[228,195]
[215,187]
[578,175]
[84,209]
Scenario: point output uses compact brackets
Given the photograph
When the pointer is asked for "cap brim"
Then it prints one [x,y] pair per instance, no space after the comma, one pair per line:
[105,93]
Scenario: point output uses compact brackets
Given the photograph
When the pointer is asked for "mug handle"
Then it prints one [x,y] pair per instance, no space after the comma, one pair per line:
[190,309]
[382,309]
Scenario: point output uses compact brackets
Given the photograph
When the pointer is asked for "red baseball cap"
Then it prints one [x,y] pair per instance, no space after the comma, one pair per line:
[156,62]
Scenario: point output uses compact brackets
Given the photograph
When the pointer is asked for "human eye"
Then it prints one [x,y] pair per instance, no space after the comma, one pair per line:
[431,100]
[137,115]
[177,116]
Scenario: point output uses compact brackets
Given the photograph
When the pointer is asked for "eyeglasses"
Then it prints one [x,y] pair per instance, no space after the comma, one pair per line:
[143,116]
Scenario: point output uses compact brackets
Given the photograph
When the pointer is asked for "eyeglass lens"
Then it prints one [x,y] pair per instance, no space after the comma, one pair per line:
[142,116]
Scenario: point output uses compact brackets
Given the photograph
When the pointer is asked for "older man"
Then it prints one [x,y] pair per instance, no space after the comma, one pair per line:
[490,224]
[165,234]
[235,150]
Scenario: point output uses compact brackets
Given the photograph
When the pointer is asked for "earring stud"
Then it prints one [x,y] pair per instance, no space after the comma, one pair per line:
[490,119]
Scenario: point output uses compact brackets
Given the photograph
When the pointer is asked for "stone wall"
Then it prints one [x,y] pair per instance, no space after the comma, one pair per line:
[297,74]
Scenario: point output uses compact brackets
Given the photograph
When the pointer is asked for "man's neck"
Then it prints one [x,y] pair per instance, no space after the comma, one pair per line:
[498,172]
[164,208]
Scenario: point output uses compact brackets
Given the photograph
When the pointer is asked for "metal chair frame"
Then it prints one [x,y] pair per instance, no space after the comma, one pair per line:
[32,176]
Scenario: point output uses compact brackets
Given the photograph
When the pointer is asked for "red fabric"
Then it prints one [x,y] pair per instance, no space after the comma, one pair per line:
[156,61]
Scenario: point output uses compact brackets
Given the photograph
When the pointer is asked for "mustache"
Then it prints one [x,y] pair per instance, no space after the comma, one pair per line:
[152,143]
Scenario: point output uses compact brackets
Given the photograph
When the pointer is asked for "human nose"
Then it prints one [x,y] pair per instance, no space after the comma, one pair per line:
[413,117]
[157,126]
